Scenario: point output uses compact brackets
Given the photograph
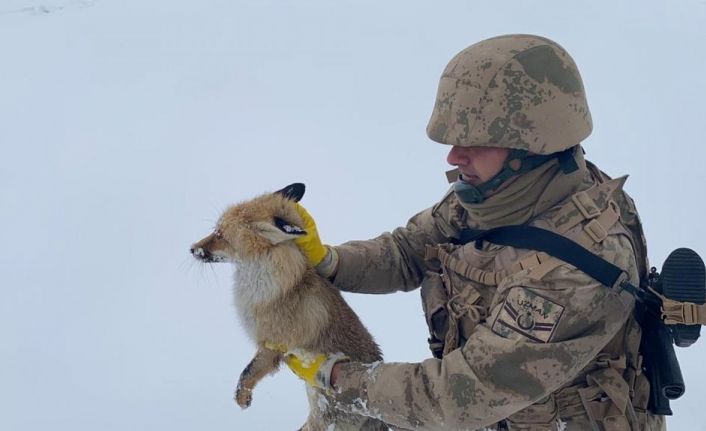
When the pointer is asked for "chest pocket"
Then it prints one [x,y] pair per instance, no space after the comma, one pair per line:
[456,298]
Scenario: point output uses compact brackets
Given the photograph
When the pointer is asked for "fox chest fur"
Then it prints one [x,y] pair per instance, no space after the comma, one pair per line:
[275,305]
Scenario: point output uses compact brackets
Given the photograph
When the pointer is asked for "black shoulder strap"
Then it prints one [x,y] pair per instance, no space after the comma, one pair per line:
[534,238]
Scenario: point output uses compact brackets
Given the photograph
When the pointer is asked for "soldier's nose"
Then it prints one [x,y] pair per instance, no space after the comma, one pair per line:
[456,157]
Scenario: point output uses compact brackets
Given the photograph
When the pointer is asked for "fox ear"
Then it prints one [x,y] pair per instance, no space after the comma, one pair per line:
[288,228]
[293,192]
[279,230]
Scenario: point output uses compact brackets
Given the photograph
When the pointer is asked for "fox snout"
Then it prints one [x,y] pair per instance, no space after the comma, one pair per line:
[210,249]
[202,254]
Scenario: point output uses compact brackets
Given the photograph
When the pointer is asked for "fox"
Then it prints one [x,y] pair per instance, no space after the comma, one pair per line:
[281,300]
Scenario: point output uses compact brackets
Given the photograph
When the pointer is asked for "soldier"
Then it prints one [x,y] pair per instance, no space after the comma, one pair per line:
[522,340]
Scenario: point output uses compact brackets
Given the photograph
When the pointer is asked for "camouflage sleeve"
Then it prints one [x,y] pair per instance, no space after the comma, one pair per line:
[538,336]
[394,261]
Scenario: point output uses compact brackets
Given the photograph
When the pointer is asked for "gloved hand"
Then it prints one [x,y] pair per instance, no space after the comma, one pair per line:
[310,244]
[314,368]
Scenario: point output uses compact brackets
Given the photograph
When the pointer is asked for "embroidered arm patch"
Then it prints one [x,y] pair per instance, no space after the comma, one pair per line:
[525,314]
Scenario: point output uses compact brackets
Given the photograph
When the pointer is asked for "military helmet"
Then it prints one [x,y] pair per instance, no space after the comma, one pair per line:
[514,91]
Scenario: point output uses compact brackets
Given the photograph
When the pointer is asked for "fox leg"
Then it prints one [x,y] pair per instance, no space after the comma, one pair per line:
[266,361]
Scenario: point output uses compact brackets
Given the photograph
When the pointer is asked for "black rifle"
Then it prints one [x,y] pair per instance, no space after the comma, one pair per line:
[682,279]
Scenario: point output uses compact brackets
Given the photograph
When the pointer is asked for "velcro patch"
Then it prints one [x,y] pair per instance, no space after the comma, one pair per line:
[529,315]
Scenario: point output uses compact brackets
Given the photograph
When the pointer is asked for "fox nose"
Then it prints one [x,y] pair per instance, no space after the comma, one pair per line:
[199,253]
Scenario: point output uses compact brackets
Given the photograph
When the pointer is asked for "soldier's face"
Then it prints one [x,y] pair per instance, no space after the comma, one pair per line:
[477,164]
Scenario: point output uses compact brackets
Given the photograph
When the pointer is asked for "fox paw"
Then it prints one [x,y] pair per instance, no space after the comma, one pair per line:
[243,397]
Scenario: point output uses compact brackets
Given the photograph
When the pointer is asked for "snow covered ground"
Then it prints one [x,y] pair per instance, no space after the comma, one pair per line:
[127,126]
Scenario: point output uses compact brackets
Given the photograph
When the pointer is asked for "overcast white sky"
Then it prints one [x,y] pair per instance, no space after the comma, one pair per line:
[127,126]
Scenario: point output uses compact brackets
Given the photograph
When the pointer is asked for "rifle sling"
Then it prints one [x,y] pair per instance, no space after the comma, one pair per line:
[534,238]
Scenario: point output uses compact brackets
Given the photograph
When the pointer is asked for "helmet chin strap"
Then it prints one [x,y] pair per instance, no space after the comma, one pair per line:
[517,162]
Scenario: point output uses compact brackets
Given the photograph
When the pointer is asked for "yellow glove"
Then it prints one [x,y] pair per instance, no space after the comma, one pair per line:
[310,244]
[315,369]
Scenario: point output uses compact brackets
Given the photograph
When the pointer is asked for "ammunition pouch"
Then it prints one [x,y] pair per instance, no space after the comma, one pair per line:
[602,400]
[540,416]
[452,309]
[607,401]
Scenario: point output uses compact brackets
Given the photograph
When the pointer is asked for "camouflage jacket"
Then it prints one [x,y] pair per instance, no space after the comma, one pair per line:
[536,352]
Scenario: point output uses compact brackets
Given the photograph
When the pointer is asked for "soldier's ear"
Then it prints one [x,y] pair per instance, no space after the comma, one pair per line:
[293,192]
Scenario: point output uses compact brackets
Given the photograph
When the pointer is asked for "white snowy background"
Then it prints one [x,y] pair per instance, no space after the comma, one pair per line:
[127,126]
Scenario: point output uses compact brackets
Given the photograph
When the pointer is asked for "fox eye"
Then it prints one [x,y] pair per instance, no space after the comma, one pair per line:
[218,234]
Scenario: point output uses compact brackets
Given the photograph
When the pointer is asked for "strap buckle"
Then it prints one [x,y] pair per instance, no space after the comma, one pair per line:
[596,231]
[586,206]
[683,313]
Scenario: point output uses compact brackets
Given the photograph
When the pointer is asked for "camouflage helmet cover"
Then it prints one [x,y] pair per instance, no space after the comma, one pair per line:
[512,91]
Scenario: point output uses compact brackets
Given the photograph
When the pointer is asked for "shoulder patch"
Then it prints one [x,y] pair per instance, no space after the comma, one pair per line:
[525,314]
